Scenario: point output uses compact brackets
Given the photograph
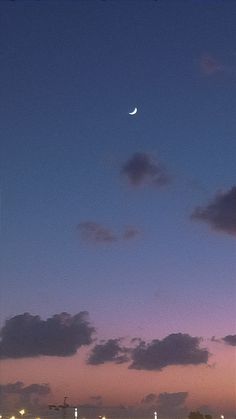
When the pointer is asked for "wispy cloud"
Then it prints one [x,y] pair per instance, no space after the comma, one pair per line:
[130,232]
[95,233]
[209,65]
[60,335]
[143,169]
[220,213]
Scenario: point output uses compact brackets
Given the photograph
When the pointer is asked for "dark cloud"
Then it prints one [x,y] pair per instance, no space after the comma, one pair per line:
[209,65]
[17,394]
[230,340]
[142,169]
[96,233]
[109,351]
[175,349]
[220,213]
[60,335]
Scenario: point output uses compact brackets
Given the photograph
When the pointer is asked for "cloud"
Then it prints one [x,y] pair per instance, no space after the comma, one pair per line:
[220,213]
[230,340]
[142,169]
[173,404]
[167,404]
[215,340]
[175,349]
[17,394]
[130,233]
[109,351]
[93,410]
[97,400]
[60,335]
[172,399]
[209,65]
[96,233]
[150,398]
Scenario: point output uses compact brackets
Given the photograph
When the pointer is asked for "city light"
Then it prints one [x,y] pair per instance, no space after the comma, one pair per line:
[22,412]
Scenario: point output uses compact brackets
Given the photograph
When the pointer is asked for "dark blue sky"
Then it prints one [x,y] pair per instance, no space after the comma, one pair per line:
[70,73]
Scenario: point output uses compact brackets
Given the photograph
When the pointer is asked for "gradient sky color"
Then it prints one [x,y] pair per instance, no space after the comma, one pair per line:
[144,259]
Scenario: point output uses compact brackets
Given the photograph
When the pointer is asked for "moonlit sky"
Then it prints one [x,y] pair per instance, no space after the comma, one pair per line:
[130,218]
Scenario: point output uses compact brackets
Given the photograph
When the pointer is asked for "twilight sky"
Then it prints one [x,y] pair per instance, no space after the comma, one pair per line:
[118,231]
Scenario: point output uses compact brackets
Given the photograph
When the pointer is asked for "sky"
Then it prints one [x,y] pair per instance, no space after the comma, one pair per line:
[118,230]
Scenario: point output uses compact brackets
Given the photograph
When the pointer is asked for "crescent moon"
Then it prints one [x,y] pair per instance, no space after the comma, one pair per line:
[134,111]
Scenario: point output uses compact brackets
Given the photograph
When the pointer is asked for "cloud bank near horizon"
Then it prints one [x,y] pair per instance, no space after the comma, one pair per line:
[167,404]
[16,395]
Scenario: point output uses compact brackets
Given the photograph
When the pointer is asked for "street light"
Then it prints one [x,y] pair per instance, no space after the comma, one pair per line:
[22,412]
